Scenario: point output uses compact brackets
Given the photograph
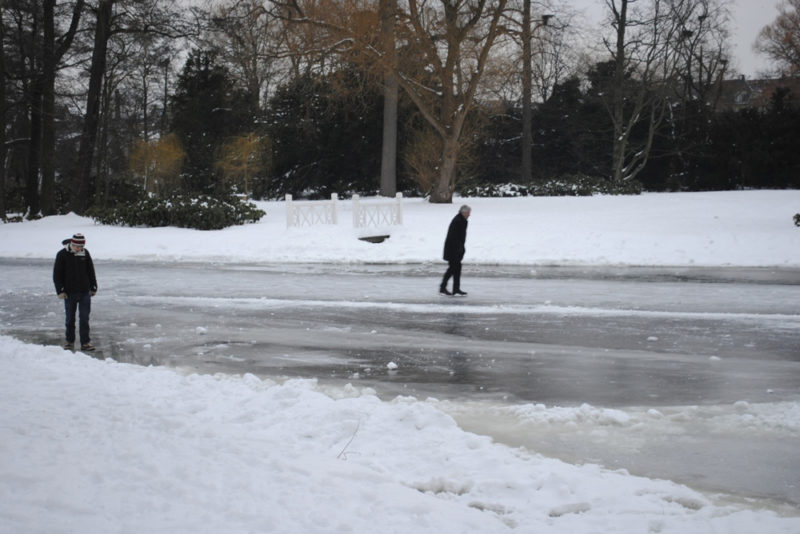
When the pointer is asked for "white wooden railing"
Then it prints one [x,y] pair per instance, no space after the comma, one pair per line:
[366,213]
[378,214]
[312,212]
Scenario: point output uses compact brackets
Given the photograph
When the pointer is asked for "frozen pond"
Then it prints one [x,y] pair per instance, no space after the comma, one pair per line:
[672,365]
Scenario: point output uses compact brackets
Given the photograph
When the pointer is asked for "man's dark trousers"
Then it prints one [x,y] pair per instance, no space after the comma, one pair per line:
[454,270]
[82,302]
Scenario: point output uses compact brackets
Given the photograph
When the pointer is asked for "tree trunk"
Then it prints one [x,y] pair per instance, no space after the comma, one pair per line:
[527,94]
[80,191]
[102,178]
[390,101]
[389,147]
[620,135]
[33,97]
[51,55]
[34,146]
[3,149]
[443,191]
[48,107]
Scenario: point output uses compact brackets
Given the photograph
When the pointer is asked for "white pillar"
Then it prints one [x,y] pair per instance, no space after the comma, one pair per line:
[289,214]
[399,199]
[356,214]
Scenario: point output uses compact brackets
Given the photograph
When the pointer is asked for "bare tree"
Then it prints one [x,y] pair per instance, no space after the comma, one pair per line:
[53,50]
[80,190]
[781,39]
[39,42]
[248,38]
[527,87]
[446,46]
[316,33]
[650,52]
[557,56]
[701,48]
[701,61]
[115,17]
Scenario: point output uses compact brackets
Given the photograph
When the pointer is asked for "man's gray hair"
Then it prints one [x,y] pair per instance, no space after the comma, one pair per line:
[465,209]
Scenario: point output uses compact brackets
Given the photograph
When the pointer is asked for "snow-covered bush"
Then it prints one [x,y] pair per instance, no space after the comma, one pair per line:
[567,185]
[797,219]
[202,212]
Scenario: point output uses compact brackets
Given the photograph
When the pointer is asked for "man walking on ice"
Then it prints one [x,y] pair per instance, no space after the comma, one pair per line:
[76,284]
[454,251]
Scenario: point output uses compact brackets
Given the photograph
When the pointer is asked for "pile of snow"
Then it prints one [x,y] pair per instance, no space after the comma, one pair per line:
[743,228]
[96,446]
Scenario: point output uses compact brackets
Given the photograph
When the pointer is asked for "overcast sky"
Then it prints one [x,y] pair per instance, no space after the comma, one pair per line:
[748,17]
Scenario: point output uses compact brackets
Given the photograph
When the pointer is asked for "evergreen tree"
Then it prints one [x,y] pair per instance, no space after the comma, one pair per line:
[572,137]
[207,111]
[326,135]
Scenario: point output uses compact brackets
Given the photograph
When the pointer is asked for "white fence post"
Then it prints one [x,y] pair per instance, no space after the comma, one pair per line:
[289,208]
[356,212]
[399,200]
[334,202]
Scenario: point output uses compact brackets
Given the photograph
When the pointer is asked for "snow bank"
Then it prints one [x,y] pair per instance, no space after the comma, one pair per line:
[100,447]
[743,228]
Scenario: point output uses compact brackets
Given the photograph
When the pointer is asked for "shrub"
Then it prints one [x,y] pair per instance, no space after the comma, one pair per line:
[797,219]
[567,185]
[201,212]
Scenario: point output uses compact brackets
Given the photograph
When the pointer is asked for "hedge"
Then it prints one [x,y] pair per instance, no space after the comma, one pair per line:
[568,185]
[201,212]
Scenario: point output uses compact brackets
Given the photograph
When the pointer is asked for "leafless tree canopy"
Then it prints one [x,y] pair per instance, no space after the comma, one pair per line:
[781,39]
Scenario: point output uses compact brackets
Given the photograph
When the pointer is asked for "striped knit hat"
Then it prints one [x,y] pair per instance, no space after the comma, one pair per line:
[78,240]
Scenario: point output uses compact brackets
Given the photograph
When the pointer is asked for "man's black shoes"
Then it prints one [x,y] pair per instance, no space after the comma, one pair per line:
[457,292]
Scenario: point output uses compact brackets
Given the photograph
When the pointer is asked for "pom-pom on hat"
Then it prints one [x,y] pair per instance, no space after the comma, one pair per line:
[79,240]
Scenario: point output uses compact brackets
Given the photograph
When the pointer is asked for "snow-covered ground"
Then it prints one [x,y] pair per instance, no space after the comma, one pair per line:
[96,446]
[745,228]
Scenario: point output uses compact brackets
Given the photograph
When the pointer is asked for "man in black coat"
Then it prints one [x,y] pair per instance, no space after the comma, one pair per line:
[76,284]
[454,251]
